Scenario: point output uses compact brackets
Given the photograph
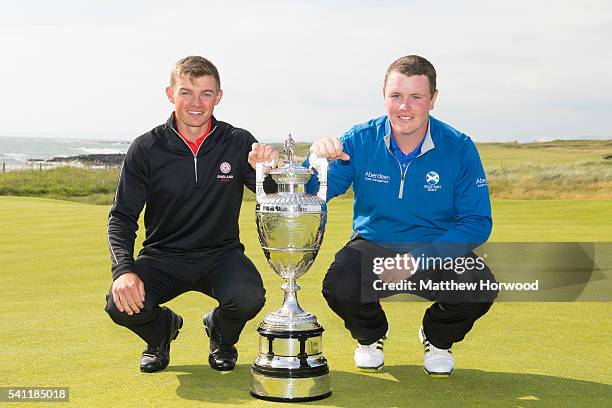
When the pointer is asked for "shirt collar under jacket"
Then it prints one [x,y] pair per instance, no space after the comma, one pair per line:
[405,158]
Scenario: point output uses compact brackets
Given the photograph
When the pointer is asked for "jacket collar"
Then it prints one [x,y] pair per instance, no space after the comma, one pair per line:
[177,143]
[171,123]
[428,143]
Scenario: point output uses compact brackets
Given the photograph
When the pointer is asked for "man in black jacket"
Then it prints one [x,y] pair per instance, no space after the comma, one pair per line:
[190,173]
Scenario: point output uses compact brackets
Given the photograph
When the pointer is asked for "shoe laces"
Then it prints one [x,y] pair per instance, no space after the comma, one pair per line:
[377,345]
[152,351]
[433,350]
[222,346]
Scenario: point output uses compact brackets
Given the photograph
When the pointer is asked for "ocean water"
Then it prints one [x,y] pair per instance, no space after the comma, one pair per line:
[16,151]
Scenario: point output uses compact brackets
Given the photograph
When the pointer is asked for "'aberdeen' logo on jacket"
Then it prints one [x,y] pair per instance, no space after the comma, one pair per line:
[377,177]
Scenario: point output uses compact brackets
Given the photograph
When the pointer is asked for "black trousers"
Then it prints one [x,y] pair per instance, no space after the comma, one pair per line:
[447,321]
[224,274]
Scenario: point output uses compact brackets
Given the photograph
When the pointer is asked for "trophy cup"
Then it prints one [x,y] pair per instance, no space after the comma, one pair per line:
[290,366]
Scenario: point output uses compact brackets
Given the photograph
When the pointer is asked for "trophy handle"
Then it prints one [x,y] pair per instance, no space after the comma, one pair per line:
[320,165]
[261,170]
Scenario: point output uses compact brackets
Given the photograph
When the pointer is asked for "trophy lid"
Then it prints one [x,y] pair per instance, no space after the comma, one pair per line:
[291,172]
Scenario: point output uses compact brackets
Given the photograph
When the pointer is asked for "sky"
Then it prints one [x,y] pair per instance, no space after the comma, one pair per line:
[514,70]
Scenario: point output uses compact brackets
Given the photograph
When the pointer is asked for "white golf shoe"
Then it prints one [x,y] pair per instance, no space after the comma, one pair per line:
[438,363]
[371,357]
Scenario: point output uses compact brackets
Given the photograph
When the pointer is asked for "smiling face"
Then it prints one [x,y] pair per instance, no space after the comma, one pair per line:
[408,100]
[194,100]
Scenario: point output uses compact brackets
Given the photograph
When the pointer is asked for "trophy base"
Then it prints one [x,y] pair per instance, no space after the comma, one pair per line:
[290,366]
[290,389]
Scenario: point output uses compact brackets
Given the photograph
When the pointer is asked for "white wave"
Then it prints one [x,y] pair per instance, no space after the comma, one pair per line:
[15,156]
[93,150]
[112,142]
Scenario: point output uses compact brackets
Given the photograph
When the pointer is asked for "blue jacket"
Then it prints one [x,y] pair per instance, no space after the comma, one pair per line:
[442,197]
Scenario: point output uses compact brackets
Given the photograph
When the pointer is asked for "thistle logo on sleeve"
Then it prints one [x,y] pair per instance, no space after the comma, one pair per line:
[225,168]
[432,180]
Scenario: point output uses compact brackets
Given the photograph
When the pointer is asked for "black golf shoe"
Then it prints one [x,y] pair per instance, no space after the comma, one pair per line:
[156,358]
[222,356]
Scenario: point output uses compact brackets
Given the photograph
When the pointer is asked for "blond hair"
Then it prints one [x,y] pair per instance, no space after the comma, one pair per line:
[194,67]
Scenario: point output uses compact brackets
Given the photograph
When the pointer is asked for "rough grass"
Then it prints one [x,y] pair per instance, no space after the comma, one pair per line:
[573,180]
[54,332]
[555,152]
[91,186]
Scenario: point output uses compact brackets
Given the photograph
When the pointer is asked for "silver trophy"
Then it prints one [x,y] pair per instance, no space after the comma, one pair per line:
[290,365]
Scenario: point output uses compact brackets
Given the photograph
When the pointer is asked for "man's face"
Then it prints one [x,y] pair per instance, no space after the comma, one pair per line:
[194,100]
[408,102]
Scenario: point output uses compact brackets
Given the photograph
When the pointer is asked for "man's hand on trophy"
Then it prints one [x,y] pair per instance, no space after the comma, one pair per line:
[329,148]
[263,153]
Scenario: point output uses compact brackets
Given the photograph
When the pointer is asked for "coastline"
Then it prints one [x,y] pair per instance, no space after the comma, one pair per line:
[91,161]
[109,160]
[47,153]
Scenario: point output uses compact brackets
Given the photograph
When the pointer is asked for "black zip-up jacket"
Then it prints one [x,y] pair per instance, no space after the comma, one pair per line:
[192,200]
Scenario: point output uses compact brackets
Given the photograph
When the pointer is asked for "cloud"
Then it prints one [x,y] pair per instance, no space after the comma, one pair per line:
[519,70]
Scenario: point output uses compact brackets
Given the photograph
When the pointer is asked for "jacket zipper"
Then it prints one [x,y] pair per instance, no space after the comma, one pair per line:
[402,174]
[195,155]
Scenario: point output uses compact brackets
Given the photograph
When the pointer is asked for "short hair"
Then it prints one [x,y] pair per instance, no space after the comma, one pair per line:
[413,65]
[194,67]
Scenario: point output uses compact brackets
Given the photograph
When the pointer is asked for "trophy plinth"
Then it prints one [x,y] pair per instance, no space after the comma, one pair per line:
[290,366]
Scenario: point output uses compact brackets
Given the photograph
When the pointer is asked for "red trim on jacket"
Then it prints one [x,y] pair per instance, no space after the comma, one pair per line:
[194,146]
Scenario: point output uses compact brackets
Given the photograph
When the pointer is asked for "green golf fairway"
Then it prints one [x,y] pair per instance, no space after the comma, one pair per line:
[54,331]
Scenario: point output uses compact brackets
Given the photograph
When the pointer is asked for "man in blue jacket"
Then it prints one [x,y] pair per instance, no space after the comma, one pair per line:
[421,194]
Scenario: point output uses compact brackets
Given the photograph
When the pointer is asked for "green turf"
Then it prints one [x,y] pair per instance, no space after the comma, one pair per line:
[54,332]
